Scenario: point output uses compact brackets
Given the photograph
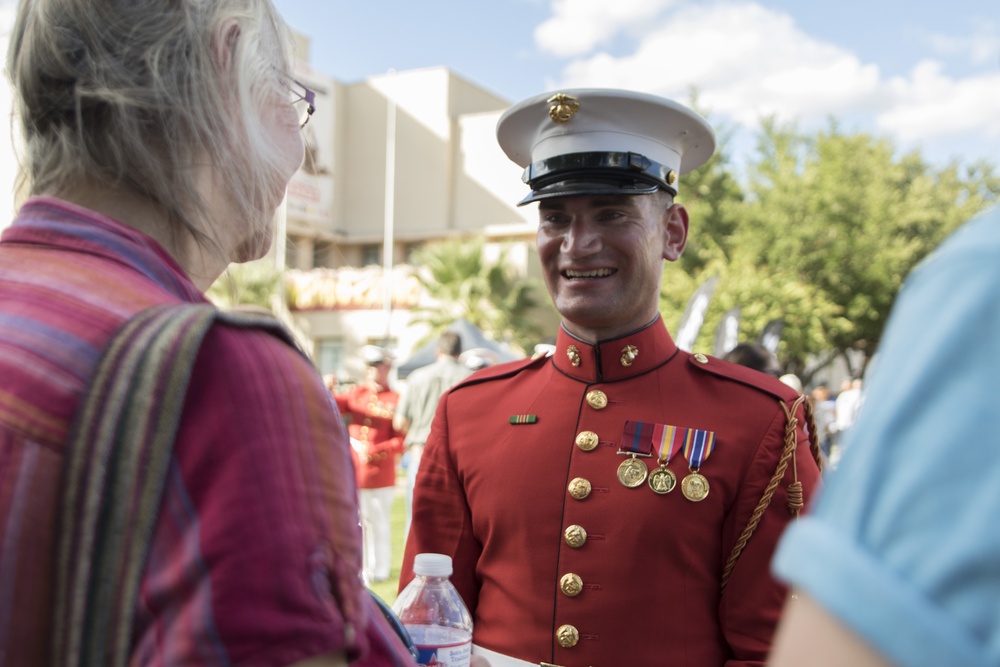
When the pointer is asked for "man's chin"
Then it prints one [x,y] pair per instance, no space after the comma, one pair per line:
[589,319]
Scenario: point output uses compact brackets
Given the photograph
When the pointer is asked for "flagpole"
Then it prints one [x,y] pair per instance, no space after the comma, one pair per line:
[390,202]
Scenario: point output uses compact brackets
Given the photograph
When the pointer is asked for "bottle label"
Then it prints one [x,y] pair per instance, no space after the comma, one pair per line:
[455,655]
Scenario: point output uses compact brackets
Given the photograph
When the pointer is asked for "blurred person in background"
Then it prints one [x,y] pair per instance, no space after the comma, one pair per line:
[824,412]
[793,381]
[846,406]
[755,356]
[419,401]
[369,408]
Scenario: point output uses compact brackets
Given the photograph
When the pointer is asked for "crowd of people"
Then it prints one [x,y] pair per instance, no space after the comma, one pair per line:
[181,488]
[833,415]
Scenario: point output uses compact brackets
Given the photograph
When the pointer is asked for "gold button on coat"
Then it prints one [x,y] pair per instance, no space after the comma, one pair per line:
[586,440]
[701,358]
[597,399]
[579,488]
[576,536]
[571,584]
[567,636]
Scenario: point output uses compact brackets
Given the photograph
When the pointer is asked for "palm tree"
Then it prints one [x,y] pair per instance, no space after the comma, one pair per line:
[257,286]
[251,284]
[491,295]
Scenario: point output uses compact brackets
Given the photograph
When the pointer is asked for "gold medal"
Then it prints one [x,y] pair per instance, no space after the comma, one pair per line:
[632,472]
[695,487]
[662,480]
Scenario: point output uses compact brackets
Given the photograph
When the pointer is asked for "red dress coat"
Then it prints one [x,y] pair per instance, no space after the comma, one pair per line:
[369,420]
[557,560]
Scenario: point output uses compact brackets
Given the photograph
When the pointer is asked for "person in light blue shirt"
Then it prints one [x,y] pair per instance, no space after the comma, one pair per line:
[898,562]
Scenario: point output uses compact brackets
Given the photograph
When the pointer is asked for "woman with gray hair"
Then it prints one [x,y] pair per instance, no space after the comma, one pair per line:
[158,139]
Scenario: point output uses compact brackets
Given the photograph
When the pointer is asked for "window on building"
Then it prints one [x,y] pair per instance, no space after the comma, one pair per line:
[323,254]
[371,254]
[330,356]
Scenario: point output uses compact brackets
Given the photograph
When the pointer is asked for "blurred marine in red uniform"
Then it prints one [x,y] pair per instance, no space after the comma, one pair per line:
[368,410]
[616,502]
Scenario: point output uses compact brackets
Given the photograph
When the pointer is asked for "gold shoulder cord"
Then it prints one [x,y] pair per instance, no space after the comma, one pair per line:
[795,496]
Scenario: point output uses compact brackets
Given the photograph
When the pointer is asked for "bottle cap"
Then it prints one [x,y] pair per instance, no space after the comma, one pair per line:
[432,565]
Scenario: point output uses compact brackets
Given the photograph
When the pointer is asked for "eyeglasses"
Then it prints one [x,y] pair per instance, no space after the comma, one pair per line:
[303,99]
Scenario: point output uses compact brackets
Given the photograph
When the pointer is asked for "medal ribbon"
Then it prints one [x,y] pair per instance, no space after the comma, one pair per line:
[667,440]
[698,445]
[637,438]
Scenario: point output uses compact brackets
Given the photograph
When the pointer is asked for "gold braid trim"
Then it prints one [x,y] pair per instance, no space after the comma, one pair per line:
[795,499]
[813,435]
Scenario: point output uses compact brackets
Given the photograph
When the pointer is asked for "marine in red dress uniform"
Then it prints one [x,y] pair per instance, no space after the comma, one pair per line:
[368,408]
[369,412]
[375,444]
[605,505]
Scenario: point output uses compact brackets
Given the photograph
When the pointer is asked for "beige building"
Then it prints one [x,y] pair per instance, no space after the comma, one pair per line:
[408,156]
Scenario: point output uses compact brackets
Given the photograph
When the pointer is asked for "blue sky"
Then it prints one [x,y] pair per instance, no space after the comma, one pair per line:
[925,74]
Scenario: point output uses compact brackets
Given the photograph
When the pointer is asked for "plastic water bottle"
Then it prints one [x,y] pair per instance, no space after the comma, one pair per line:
[433,613]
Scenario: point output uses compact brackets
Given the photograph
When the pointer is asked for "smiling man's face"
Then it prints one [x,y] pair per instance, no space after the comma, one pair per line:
[602,258]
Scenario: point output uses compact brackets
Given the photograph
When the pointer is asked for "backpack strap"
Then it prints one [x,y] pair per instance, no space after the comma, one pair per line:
[117,459]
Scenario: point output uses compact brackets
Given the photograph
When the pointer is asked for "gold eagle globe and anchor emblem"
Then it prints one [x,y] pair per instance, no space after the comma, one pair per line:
[563,107]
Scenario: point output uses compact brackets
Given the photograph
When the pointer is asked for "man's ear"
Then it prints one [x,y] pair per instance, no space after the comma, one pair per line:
[225,39]
[675,224]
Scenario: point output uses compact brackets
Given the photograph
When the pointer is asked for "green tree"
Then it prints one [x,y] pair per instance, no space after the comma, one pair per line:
[251,284]
[492,295]
[714,201]
[827,230]
[845,217]
[713,198]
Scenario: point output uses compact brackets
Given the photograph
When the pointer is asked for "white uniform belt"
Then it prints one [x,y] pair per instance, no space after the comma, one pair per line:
[499,659]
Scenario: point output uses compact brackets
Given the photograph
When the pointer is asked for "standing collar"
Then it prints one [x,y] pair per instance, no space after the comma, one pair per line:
[614,359]
[56,223]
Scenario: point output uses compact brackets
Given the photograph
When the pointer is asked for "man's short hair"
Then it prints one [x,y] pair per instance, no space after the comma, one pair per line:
[450,343]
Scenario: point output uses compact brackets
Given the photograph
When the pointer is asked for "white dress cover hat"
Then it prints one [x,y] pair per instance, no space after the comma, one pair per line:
[591,141]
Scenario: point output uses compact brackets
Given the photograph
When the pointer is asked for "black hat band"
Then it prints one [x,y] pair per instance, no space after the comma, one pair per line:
[627,166]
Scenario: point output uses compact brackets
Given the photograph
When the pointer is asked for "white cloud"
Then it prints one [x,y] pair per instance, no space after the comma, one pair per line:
[578,26]
[981,48]
[747,61]
[930,104]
